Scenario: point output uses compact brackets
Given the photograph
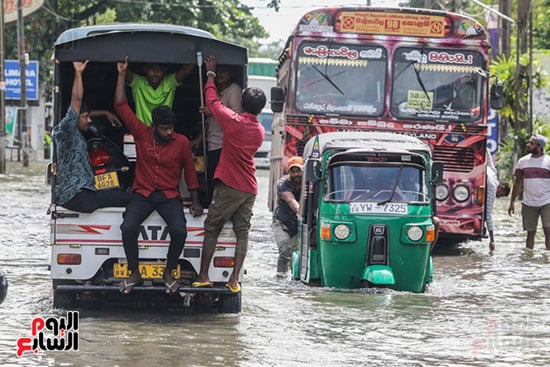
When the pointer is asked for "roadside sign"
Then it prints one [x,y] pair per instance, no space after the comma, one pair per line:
[13,82]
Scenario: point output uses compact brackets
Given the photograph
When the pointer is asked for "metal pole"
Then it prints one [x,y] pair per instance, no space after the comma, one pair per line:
[204,155]
[531,68]
[2,95]
[23,83]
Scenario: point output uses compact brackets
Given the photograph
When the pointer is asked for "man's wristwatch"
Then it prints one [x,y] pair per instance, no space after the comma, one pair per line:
[211,73]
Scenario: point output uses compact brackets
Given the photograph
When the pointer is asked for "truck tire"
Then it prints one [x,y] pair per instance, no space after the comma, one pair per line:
[64,300]
[230,303]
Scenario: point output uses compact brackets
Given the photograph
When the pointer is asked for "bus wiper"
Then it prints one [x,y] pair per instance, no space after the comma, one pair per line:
[419,79]
[393,188]
[327,78]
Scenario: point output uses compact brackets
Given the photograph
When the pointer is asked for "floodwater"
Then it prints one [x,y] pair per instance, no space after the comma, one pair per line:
[481,310]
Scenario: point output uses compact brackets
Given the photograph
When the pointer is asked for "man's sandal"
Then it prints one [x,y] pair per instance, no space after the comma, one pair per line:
[170,284]
[126,286]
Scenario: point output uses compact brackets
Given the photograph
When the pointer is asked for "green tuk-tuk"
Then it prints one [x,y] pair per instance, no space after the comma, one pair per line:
[367,213]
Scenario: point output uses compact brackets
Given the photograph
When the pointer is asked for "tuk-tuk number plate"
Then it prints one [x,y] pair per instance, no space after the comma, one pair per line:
[147,271]
[107,180]
[374,208]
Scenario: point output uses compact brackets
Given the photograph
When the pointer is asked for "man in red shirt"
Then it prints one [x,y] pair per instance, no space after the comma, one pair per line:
[235,177]
[161,156]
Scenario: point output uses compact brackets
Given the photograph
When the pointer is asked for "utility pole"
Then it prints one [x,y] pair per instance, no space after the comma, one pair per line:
[2,95]
[22,115]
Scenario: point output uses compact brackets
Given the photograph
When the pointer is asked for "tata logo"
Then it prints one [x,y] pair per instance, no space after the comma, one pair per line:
[154,233]
[454,138]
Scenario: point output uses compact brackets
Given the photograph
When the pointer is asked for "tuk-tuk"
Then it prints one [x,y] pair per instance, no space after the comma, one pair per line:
[367,212]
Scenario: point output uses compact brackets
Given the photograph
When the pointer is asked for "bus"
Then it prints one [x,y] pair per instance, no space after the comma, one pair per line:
[417,72]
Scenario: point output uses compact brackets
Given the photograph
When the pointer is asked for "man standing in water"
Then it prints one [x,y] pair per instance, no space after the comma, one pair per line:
[235,177]
[533,172]
[285,224]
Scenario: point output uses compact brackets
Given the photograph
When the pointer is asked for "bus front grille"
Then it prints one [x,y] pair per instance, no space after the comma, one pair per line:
[455,159]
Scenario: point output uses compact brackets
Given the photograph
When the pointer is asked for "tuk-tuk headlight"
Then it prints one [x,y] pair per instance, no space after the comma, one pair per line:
[441,192]
[461,193]
[415,233]
[341,231]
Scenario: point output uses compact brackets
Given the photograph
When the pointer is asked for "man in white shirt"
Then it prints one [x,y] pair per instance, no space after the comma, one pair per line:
[533,171]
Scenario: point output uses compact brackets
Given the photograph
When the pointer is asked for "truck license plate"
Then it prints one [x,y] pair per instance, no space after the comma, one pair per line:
[107,180]
[147,271]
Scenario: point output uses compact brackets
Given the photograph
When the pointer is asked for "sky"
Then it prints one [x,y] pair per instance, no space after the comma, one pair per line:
[280,24]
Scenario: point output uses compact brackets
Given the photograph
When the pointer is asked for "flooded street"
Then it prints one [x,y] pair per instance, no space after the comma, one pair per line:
[481,310]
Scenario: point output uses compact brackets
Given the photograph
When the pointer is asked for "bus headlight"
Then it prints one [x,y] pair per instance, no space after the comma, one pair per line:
[441,192]
[341,231]
[415,233]
[461,193]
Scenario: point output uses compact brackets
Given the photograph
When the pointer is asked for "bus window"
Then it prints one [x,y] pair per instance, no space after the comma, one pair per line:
[342,79]
[436,85]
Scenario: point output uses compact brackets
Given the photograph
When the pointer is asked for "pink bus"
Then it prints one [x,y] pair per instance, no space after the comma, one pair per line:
[417,72]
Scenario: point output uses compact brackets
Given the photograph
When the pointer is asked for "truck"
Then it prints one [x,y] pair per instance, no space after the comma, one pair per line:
[367,212]
[87,256]
[261,74]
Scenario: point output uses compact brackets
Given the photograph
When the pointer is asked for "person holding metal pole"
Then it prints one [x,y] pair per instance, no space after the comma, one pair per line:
[230,94]
[235,177]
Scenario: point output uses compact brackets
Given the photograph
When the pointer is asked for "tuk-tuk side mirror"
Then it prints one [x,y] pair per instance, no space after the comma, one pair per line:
[497,98]
[277,98]
[313,170]
[437,172]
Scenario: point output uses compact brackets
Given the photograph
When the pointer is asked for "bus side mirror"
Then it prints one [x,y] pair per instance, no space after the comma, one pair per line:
[497,99]
[277,98]
[437,172]
[312,170]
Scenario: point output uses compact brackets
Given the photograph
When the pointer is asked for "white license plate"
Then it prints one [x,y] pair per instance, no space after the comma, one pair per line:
[374,208]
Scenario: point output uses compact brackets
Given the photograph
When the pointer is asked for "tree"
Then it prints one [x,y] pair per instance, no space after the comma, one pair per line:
[228,20]
[541,24]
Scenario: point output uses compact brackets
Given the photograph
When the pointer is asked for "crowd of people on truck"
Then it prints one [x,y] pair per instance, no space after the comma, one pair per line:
[233,135]
[162,157]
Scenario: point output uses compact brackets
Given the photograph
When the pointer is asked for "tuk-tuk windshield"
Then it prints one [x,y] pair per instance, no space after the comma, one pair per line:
[376,183]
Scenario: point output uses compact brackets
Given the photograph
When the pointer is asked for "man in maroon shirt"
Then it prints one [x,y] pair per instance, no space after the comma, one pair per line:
[235,177]
[161,156]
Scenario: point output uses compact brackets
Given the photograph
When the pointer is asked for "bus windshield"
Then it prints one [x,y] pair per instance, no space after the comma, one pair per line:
[377,183]
[341,79]
[437,84]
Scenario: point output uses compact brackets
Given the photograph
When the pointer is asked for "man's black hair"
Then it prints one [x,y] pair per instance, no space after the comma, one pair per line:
[84,107]
[505,187]
[163,115]
[254,100]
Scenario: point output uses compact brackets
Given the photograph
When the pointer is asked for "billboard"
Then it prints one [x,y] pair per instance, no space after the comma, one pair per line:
[13,81]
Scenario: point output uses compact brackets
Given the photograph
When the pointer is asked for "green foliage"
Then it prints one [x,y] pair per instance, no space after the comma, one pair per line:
[541,24]
[516,85]
[228,20]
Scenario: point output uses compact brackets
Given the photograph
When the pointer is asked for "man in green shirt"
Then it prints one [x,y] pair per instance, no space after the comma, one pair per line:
[155,88]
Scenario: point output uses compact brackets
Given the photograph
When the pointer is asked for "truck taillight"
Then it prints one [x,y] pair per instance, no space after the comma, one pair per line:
[99,156]
[69,259]
[224,262]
